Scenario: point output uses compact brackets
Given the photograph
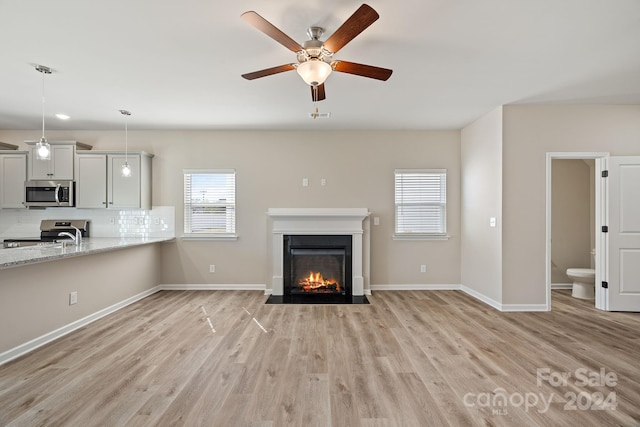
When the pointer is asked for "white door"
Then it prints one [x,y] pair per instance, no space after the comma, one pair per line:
[623,221]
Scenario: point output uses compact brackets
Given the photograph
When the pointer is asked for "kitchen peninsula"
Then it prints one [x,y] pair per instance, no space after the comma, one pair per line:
[49,291]
[53,251]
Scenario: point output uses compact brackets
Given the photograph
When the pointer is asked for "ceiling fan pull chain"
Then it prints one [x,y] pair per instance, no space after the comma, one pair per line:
[315,101]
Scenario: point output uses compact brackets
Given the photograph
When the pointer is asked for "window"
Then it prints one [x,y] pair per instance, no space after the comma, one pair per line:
[209,203]
[421,202]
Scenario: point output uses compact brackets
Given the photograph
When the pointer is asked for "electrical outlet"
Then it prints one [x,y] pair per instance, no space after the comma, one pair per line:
[73,298]
[212,268]
[423,268]
[305,182]
[323,182]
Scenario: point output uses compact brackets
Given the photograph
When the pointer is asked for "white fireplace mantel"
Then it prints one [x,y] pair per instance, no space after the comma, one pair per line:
[321,221]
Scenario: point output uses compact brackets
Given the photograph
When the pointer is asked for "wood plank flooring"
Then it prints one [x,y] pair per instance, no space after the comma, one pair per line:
[410,358]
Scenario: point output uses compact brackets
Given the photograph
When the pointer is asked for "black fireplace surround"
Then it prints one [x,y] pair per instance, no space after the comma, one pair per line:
[317,269]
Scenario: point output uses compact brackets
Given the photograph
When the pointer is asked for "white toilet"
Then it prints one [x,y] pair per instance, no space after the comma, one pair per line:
[584,281]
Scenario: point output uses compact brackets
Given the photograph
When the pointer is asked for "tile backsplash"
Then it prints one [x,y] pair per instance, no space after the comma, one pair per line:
[157,222]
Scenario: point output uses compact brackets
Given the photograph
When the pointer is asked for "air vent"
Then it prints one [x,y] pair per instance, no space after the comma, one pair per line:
[319,115]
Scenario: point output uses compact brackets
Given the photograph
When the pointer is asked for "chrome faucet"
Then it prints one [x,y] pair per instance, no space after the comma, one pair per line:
[77,239]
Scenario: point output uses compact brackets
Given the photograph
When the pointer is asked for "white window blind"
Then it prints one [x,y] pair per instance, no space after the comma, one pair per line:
[209,202]
[421,201]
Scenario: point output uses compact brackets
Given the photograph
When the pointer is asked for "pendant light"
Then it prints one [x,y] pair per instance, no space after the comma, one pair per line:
[43,149]
[126,169]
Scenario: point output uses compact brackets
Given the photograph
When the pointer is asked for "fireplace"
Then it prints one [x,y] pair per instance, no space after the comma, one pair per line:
[340,239]
[317,267]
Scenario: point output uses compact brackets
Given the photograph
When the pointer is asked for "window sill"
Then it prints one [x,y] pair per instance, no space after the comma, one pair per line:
[421,237]
[210,237]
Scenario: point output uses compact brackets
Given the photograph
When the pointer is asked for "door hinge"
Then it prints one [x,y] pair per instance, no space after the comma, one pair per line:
[605,229]
[605,174]
[605,285]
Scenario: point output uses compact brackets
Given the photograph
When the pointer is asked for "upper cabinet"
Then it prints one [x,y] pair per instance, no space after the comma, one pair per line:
[61,164]
[100,184]
[13,174]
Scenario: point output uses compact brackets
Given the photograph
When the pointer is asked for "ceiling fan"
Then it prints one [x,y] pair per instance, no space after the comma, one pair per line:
[315,57]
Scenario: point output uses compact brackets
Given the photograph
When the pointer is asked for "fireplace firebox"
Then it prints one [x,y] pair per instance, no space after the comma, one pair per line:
[317,268]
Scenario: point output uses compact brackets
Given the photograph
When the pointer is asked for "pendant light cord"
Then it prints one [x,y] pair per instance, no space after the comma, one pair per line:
[126,139]
[126,113]
[43,73]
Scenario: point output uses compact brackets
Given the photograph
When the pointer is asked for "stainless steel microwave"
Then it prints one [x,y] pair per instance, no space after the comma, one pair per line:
[49,193]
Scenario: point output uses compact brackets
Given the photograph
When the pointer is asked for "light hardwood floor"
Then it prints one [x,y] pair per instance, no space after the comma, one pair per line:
[410,358]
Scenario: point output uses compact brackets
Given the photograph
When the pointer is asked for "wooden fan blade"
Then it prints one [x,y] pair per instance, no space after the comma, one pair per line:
[362,70]
[269,71]
[319,94]
[271,30]
[357,23]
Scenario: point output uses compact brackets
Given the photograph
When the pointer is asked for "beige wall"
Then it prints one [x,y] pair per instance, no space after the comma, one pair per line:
[481,251]
[529,132]
[34,299]
[571,216]
[359,167]
[270,166]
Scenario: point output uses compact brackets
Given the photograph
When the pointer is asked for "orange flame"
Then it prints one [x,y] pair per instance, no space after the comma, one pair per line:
[317,281]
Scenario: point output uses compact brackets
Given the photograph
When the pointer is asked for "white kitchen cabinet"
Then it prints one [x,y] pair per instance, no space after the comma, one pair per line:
[13,174]
[59,166]
[91,185]
[100,184]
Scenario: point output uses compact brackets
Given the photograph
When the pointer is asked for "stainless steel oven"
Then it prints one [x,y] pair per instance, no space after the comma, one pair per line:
[50,233]
[49,193]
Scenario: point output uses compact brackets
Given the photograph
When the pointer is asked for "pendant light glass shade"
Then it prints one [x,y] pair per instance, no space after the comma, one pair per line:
[314,72]
[43,149]
[126,169]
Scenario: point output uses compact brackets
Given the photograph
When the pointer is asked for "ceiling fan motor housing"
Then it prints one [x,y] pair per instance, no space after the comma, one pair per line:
[313,49]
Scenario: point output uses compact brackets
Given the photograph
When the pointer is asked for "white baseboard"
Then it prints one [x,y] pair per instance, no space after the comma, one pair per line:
[504,307]
[215,287]
[421,287]
[525,307]
[485,299]
[475,294]
[64,330]
[562,286]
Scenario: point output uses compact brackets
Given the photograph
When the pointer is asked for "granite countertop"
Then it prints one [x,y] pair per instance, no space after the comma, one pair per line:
[15,257]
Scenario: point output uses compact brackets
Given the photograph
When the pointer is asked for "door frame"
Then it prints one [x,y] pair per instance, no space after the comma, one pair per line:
[599,204]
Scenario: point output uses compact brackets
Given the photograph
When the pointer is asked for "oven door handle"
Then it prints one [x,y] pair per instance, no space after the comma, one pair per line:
[57,191]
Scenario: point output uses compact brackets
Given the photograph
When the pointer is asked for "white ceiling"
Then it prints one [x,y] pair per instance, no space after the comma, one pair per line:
[177,64]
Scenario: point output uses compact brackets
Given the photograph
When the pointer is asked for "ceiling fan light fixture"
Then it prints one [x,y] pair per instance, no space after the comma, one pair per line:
[314,71]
